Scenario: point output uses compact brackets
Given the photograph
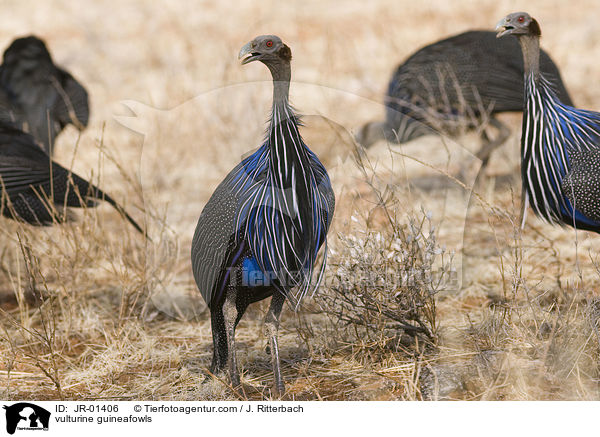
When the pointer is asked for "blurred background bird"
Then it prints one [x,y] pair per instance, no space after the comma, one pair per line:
[261,230]
[36,190]
[559,143]
[455,82]
[37,96]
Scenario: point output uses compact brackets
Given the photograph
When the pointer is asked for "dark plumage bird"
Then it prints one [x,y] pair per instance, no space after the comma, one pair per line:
[36,190]
[560,145]
[454,80]
[260,232]
[37,96]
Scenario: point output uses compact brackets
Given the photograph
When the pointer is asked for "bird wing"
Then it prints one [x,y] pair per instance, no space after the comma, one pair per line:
[27,172]
[215,235]
[581,185]
[330,202]
[24,177]
[572,150]
[72,105]
[22,162]
[20,175]
[490,71]
[325,189]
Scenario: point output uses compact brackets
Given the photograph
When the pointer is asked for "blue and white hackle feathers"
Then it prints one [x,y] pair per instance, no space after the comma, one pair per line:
[556,142]
[284,225]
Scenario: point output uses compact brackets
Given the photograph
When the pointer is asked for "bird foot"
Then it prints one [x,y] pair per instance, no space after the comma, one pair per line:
[278,390]
[235,380]
[224,377]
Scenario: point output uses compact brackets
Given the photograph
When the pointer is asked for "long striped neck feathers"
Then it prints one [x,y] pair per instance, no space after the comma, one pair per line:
[287,148]
[289,160]
[543,159]
[282,216]
[551,132]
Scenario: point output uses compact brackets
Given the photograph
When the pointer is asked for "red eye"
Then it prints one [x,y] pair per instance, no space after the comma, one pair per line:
[521,19]
[269,43]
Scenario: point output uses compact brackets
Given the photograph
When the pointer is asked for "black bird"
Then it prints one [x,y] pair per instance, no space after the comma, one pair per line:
[36,190]
[560,144]
[37,96]
[261,230]
[454,80]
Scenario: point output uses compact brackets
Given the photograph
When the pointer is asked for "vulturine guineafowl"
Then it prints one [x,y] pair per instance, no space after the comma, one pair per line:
[37,96]
[560,145]
[260,232]
[36,190]
[452,81]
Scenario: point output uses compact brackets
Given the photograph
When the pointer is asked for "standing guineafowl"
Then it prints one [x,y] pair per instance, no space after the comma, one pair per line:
[452,81]
[560,145]
[36,190]
[37,96]
[260,232]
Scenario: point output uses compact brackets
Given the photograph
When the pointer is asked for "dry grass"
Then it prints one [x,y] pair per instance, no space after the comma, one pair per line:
[89,310]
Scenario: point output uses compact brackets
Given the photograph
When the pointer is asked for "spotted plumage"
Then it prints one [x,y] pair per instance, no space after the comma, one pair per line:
[582,184]
[261,230]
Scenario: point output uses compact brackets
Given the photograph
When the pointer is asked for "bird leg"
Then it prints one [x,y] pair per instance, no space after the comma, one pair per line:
[221,347]
[219,341]
[488,147]
[272,327]
[230,314]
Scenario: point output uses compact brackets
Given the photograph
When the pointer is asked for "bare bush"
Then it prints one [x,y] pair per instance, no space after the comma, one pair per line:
[385,282]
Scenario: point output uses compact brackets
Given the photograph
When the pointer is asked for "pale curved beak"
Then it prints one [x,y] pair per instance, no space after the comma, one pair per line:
[503,28]
[247,50]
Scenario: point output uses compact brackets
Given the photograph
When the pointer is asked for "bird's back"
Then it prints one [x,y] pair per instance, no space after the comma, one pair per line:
[475,66]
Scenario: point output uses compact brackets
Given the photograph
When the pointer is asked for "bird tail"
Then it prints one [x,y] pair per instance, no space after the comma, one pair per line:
[102,195]
[93,193]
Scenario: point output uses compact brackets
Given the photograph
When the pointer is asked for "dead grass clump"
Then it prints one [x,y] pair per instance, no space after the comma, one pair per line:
[382,293]
[69,291]
[538,342]
[529,352]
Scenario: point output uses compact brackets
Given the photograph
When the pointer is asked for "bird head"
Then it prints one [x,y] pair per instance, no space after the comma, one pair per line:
[518,23]
[29,48]
[268,49]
